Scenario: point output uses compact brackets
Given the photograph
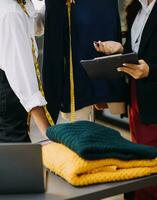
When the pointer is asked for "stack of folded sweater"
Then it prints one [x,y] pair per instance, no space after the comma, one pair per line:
[85,153]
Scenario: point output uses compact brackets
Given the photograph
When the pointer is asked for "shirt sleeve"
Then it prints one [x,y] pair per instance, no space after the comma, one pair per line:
[17,60]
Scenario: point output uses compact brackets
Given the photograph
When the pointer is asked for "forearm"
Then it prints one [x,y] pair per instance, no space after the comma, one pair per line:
[40,119]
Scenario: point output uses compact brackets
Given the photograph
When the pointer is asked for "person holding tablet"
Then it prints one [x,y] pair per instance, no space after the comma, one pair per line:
[142,39]
[87,19]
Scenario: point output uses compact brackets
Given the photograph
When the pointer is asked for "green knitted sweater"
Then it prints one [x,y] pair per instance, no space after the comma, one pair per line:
[93,141]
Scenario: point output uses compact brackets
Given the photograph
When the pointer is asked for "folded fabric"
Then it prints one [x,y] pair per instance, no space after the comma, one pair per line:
[93,141]
[79,172]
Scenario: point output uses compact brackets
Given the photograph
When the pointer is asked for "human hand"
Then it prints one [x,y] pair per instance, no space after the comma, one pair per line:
[137,71]
[108,47]
[71,1]
[45,142]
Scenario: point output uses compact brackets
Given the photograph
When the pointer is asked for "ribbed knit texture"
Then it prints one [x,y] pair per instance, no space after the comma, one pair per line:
[93,141]
[79,172]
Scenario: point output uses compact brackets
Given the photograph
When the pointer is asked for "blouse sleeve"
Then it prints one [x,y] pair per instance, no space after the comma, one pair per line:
[16,60]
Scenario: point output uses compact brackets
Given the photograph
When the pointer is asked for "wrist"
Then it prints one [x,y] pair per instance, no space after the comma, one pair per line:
[44,142]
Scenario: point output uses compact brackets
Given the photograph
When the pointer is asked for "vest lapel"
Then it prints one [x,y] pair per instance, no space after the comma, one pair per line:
[149,28]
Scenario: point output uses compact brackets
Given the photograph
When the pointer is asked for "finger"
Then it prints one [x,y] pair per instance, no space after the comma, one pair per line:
[113,47]
[139,67]
[142,62]
[129,71]
[109,51]
[131,66]
[105,48]
[102,47]
[96,47]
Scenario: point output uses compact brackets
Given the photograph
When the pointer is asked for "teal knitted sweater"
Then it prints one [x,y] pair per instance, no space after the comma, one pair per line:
[93,141]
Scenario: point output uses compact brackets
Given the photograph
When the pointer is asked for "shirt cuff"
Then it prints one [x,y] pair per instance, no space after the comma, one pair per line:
[36,100]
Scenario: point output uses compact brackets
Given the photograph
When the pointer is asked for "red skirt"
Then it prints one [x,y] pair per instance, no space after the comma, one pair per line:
[142,134]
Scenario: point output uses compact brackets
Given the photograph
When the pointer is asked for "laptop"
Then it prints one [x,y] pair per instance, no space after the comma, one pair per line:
[106,67]
[21,169]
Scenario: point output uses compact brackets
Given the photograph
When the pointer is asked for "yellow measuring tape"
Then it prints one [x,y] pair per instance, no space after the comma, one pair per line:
[37,68]
[40,82]
[21,2]
[72,87]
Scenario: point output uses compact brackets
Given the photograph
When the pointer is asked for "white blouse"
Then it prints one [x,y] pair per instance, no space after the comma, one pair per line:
[139,23]
[16,59]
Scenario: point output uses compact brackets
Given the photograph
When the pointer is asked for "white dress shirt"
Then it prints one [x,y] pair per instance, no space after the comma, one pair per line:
[16,60]
[139,23]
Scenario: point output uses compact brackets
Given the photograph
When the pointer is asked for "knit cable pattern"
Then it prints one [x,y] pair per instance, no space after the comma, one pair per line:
[93,141]
[80,172]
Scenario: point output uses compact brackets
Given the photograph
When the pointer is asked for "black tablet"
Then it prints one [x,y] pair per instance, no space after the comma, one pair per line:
[106,67]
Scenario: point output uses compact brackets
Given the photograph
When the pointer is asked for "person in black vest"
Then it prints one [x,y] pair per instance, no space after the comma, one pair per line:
[142,39]
[87,20]
[19,89]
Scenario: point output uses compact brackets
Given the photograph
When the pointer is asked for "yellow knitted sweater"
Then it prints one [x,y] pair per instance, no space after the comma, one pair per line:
[79,172]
